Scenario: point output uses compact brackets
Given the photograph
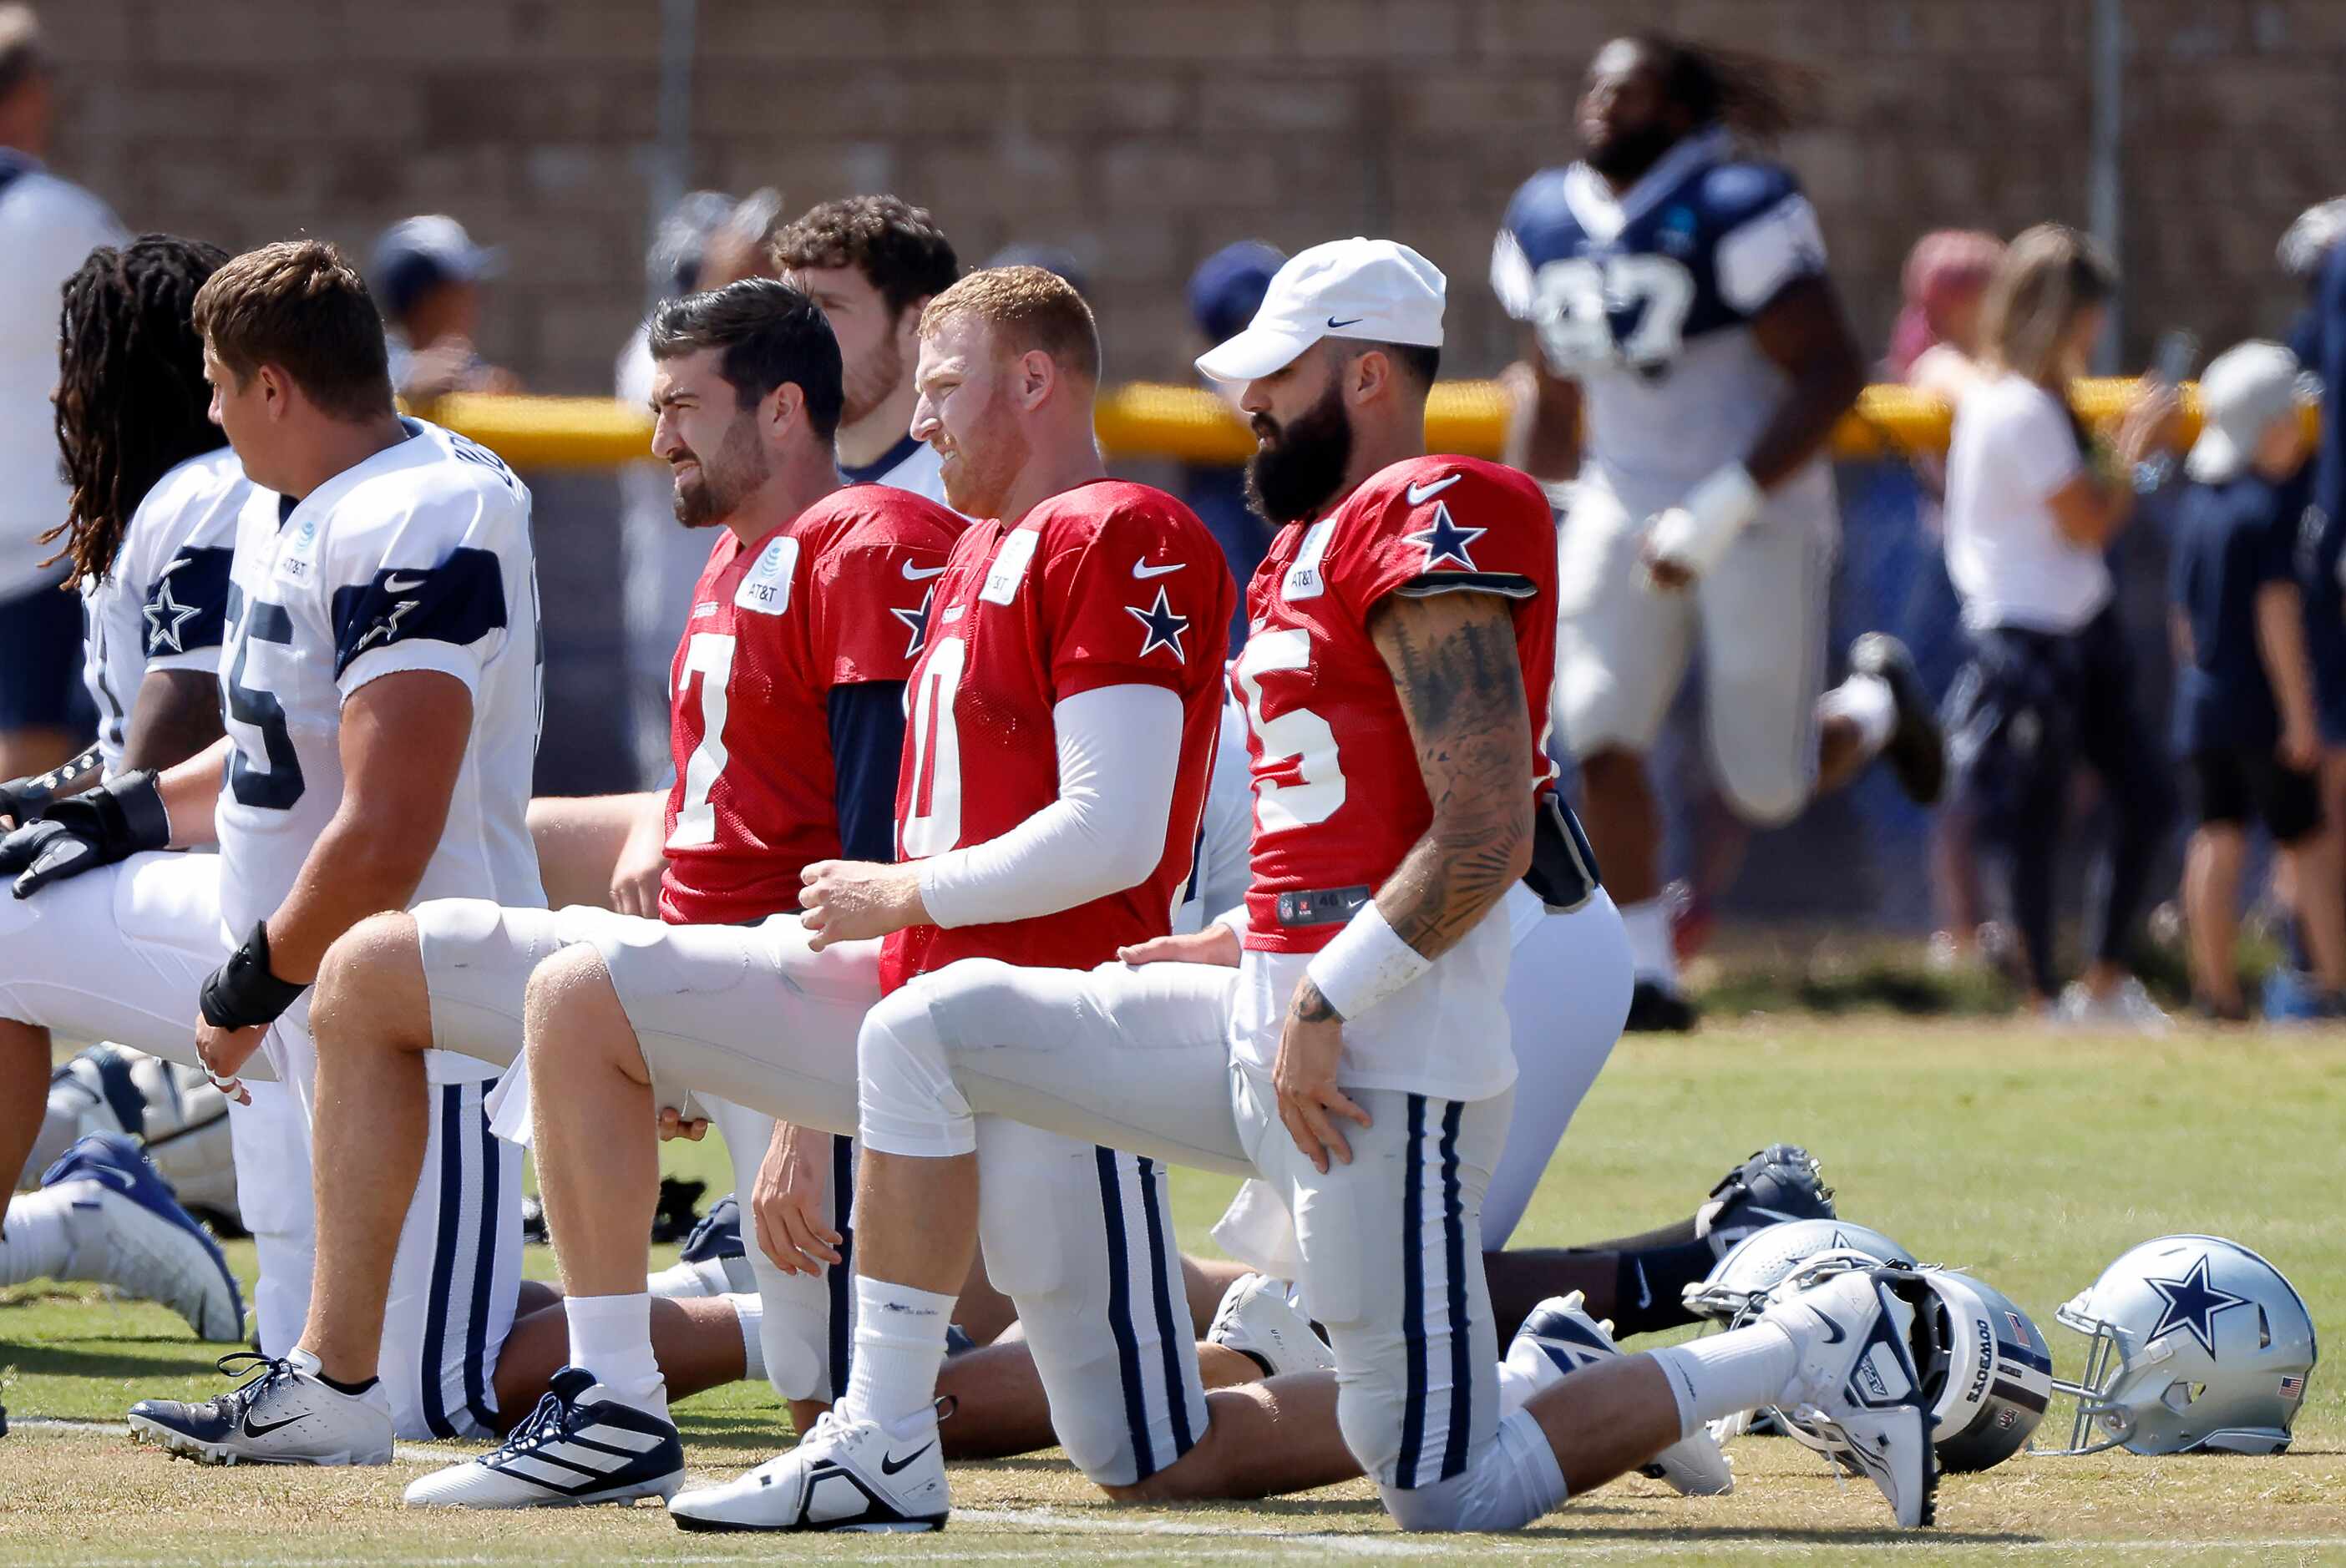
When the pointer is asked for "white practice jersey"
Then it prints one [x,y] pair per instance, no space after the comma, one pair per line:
[1219,872]
[163,605]
[416,559]
[1646,300]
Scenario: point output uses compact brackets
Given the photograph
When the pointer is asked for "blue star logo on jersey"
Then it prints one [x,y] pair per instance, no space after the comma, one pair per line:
[167,618]
[2192,1303]
[1444,540]
[1164,627]
[918,620]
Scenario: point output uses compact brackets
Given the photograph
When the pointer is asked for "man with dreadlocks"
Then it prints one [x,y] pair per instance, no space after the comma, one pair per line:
[155,494]
[1691,359]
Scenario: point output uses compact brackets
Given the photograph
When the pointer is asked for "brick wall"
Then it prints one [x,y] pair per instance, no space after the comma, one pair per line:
[1141,134]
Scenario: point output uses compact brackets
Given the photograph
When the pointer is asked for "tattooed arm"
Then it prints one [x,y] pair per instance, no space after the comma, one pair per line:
[1452,658]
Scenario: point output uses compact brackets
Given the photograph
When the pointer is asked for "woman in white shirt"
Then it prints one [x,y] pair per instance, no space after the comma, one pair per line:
[2032,505]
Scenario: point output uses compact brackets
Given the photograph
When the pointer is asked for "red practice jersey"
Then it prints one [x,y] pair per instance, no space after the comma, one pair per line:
[1108,584]
[833,598]
[1338,798]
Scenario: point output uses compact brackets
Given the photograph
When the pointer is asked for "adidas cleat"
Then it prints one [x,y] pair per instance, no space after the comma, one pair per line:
[285,1415]
[1560,1337]
[1259,1318]
[842,1476]
[574,1449]
[129,1231]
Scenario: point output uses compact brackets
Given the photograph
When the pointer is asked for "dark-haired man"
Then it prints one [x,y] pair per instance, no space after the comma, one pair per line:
[872,263]
[1691,358]
[381,687]
[804,621]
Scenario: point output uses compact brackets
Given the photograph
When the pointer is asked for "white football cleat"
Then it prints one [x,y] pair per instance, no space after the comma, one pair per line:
[1259,1319]
[1560,1337]
[574,1449]
[1857,1388]
[842,1476]
[129,1231]
[284,1416]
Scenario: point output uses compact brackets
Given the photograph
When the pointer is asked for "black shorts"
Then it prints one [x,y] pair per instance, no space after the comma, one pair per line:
[2237,782]
[40,663]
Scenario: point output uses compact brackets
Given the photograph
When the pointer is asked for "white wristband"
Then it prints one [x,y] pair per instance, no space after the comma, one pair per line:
[1697,531]
[1365,964]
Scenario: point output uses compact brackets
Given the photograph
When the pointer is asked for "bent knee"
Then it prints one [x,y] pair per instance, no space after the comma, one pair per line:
[1766,802]
[376,966]
[568,988]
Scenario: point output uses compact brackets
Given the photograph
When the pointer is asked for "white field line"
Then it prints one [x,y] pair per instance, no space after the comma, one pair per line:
[1263,1538]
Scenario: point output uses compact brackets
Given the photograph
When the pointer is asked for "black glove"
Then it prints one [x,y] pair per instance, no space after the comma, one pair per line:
[83,833]
[25,799]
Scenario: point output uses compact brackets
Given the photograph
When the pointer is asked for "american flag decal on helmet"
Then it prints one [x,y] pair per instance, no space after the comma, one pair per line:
[2293,1388]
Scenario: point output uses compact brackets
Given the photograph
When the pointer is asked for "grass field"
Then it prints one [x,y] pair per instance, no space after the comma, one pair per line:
[2030,1156]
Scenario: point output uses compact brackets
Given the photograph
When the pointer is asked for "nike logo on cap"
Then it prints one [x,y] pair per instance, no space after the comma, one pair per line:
[1349,321]
[1144,571]
[1419,494]
[920,574]
[890,1465]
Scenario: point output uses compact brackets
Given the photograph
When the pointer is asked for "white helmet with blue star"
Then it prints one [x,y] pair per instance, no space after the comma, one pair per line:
[2195,1343]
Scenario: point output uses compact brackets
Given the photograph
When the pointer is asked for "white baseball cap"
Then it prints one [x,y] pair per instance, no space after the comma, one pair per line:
[1374,290]
[2243,391]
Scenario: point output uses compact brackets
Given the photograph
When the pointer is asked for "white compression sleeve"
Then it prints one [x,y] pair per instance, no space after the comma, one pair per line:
[1119,753]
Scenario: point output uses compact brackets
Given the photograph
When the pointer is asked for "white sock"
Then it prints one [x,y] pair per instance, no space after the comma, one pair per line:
[900,1344]
[749,1311]
[706,1277]
[1865,701]
[1722,1374]
[1651,953]
[36,1240]
[611,1337]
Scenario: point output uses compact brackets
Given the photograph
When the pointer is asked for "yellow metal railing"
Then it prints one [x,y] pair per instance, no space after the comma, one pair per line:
[1189,426]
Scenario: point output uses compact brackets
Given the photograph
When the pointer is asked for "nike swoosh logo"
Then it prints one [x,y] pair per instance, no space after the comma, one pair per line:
[1349,321]
[1419,494]
[1644,1294]
[1145,571]
[253,1431]
[393,585]
[1834,1332]
[919,574]
[890,1465]
[174,567]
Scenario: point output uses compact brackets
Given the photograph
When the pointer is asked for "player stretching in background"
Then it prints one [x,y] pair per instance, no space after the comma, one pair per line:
[1691,359]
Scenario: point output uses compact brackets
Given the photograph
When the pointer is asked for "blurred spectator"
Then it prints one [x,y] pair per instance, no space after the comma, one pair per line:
[2303,249]
[1934,349]
[427,276]
[1224,292]
[2312,251]
[706,241]
[47,228]
[1056,260]
[2244,706]
[2031,507]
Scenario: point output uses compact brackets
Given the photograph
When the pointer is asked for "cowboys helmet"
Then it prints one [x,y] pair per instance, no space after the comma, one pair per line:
[1736,1287]
[1988,1373]
[2196,1343]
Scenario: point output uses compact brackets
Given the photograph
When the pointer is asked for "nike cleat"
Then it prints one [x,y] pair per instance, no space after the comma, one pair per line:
[1917,750]
[574,1449]
[1857,1394]
[1781,1182]
[285,1415]
[1658,1009]
[1259,1318]
[129,1231]
[1560,1338]
[714,1261]
[843,1476]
